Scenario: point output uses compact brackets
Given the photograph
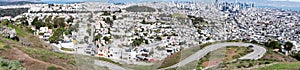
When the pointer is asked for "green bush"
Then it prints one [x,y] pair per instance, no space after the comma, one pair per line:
[66,49]
[73,62]
[4,47]
[108,60]
[10,65]
[52,68]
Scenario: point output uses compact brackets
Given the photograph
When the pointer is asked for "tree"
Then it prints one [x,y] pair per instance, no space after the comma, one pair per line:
[106,38]
[253,41]
[288,46]
[137,42]
[114,17]
[273,44]
[108,20]
[106,13]
[37,23]
[57,36]
[48,19]
[296,56]
[97,37]
[5,22]
[70,19]
[158,38]
[59,22]
[143,22]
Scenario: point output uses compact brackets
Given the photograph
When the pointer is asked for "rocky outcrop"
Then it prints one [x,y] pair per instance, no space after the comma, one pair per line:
[7,32]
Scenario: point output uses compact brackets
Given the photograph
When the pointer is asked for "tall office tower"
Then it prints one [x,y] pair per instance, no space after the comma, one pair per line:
[217,3]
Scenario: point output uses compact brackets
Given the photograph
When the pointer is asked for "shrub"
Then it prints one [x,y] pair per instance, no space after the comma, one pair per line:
[108,60]
[52,68]
[10,65]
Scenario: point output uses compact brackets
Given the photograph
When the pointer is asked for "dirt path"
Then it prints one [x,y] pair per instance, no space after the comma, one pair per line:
[26,56]
[27,61]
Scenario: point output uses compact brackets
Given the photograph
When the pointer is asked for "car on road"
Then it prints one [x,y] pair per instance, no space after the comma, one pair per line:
[90,49]
[250,46]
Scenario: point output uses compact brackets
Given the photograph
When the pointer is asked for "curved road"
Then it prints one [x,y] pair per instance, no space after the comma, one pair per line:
[258,52]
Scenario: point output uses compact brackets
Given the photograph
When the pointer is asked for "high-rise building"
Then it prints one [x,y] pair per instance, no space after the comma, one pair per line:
[216,3]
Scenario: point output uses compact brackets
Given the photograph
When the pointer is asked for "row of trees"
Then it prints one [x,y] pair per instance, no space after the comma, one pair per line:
[58,22]
[277,45]
[286,46]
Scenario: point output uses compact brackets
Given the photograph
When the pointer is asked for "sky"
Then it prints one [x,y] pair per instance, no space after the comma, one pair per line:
[145,0]
[150,0]
[290,4]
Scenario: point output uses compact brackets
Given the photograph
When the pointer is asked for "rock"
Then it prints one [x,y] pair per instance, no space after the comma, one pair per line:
[7,32]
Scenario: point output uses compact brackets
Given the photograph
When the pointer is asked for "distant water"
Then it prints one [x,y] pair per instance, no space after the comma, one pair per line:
[109,1]
[58,2]
[136,1]
[284,8]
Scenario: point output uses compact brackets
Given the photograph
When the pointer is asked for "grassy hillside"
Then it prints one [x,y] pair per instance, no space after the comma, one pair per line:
[10,64]
[282,66]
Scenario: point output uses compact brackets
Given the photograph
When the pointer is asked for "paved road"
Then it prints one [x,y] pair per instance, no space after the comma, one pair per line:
[258,52]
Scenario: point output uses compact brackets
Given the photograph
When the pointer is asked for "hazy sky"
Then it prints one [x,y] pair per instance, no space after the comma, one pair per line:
[148,0]
[274,3]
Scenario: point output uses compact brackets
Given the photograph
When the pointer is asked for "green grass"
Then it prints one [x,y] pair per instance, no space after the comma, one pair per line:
[141,67]
[200,65]
[222,54]
[171,60]
[66,49]
[20,32]
[51,67]
[44,54]
[3,46]
[282,66]
[189,51]
[239,51]
[109,60]
[244,64]
[10,64]
[85,62]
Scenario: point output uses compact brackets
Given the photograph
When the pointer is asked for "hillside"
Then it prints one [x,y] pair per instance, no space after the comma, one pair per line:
[3,3]
[13,12]
[140,9]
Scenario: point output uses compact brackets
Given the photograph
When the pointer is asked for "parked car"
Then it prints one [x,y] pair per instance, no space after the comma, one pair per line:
[250,46]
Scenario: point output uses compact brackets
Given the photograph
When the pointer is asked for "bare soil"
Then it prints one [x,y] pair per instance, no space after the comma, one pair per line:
[26,61]
[29,62]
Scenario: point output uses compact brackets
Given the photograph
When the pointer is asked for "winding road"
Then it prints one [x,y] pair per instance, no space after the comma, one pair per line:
[258,52]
